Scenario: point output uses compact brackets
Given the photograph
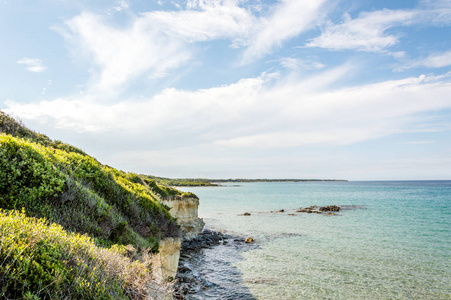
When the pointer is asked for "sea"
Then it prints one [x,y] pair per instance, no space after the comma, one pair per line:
[390,240]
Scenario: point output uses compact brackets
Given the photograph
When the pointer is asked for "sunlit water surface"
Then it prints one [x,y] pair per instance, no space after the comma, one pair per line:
[394,244]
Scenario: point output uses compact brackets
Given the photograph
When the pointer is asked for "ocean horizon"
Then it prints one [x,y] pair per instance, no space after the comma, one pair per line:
[390,240]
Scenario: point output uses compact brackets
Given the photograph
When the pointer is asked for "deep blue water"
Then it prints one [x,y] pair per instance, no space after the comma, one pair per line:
[393,241]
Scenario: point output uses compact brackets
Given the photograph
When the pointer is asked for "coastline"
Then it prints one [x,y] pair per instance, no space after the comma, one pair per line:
[209,253]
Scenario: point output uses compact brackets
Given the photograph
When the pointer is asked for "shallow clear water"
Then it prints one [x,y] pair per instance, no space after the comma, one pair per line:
[395,244]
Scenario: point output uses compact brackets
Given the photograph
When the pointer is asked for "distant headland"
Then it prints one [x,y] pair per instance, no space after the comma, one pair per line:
[218,182]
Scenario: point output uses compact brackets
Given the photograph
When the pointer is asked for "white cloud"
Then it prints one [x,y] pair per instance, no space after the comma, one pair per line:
[44,89]
[121,55]
[365,33]
[435,60]
[206,20]
[300,64]
[289,19]
[368,32]
[122,5]
[155,43]
[34,64]
[257,113]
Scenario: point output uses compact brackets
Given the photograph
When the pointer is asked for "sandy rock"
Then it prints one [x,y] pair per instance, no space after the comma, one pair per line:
[186,212]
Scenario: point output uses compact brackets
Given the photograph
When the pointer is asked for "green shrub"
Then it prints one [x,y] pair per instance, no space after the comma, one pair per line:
[81,194]
[45,262]
[27,178]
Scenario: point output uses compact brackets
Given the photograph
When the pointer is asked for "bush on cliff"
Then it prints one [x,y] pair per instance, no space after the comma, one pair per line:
[76,191]
[39,260]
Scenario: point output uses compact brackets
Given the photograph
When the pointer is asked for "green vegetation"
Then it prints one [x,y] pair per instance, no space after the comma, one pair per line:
[182,181]
[42,261]
[216,182]
[110,209]
[11,126]
[76,191]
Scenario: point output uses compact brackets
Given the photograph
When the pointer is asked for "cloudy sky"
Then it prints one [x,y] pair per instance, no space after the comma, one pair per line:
[358,90]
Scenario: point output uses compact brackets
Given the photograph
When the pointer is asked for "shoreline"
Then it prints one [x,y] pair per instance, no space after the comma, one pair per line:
[194,267]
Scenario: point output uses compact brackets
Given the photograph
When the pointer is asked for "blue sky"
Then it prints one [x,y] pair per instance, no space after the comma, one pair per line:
[358,90]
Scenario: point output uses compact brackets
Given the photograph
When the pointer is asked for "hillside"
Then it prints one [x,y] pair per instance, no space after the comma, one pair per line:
[62,184]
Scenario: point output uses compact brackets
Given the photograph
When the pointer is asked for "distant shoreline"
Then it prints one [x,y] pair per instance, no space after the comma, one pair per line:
[273,180]
[189,182]
[221,182]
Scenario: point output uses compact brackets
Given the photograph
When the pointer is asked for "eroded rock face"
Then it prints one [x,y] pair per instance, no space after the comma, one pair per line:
[165,262]
[185,210]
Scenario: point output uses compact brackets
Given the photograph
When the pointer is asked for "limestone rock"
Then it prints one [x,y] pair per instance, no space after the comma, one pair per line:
[185,211]
[248,240]
[165,262]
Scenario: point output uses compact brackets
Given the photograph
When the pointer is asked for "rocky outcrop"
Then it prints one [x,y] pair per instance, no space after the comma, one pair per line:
[165,262]
[185,210]
[330,208]
[318,210]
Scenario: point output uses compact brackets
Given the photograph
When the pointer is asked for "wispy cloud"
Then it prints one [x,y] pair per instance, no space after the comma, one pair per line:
[289,19]
[300,64]
[367,32]
[44,89]
[122,54]
[120,6]
[158,42]
[435,60]
[206,20]
[34,64]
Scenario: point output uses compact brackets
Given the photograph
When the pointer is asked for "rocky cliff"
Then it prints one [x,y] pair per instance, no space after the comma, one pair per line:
[185,210]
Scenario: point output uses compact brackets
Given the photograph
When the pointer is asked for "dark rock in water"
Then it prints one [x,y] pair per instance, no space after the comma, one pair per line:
[196,278]
[206,239]
[183,269]
[187,281]
[318,210]
[330,208]
[246,214]
[282,210]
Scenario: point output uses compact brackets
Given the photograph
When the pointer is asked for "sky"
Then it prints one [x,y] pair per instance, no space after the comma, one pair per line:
[357,90]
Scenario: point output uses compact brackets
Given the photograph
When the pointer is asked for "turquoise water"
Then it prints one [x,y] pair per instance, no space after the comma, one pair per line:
[394,244]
